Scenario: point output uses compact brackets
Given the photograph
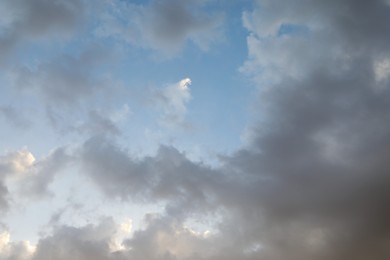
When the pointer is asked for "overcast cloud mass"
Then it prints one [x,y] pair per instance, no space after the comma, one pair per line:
[195,130]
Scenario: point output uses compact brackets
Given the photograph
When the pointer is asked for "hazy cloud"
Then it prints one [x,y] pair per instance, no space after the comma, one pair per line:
[25,20]
[164,25]
[172,100]
[14,117]
[63,81]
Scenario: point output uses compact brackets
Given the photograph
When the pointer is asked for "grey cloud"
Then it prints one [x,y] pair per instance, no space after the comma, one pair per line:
[164,25]
[43,172]
[66,86]
[3,196]
[98,124]
[313,182]
[34,19]
[87,243]
[167,176]
[319,154]
[63,81]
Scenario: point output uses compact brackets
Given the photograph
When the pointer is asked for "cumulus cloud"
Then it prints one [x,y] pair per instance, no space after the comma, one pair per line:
[14,250]
[164,25]
[13,164]
[319,152]
[312,184]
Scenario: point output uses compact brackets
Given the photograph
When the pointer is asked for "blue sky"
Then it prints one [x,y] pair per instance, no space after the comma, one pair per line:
[197,129]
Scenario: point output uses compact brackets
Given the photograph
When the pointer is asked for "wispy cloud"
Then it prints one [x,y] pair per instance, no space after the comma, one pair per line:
[164,26]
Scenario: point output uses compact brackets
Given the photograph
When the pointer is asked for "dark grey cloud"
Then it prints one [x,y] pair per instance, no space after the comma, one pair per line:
[25,20]
[163,25]
[319,153]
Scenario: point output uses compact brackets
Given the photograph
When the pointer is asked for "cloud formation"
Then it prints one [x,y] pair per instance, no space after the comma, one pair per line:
[312,183]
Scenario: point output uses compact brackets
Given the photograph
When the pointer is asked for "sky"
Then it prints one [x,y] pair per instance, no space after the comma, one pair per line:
[194,129]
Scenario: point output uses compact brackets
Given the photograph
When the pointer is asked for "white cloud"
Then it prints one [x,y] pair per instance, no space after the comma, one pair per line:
[16,162]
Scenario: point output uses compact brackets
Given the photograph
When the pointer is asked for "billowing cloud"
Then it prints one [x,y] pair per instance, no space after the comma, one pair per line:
[164,26]
[319,153]
[14,250]
[312,182]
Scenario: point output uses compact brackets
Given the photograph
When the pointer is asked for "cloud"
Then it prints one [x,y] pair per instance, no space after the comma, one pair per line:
[14,250]
[25,20]
[16,162]
[104,123]
[43,173]
[173,101]
[312,183]
[13,164]
[63,81]
[164,26]
[318,155]
[88,242]
[14,117]
[65,89]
